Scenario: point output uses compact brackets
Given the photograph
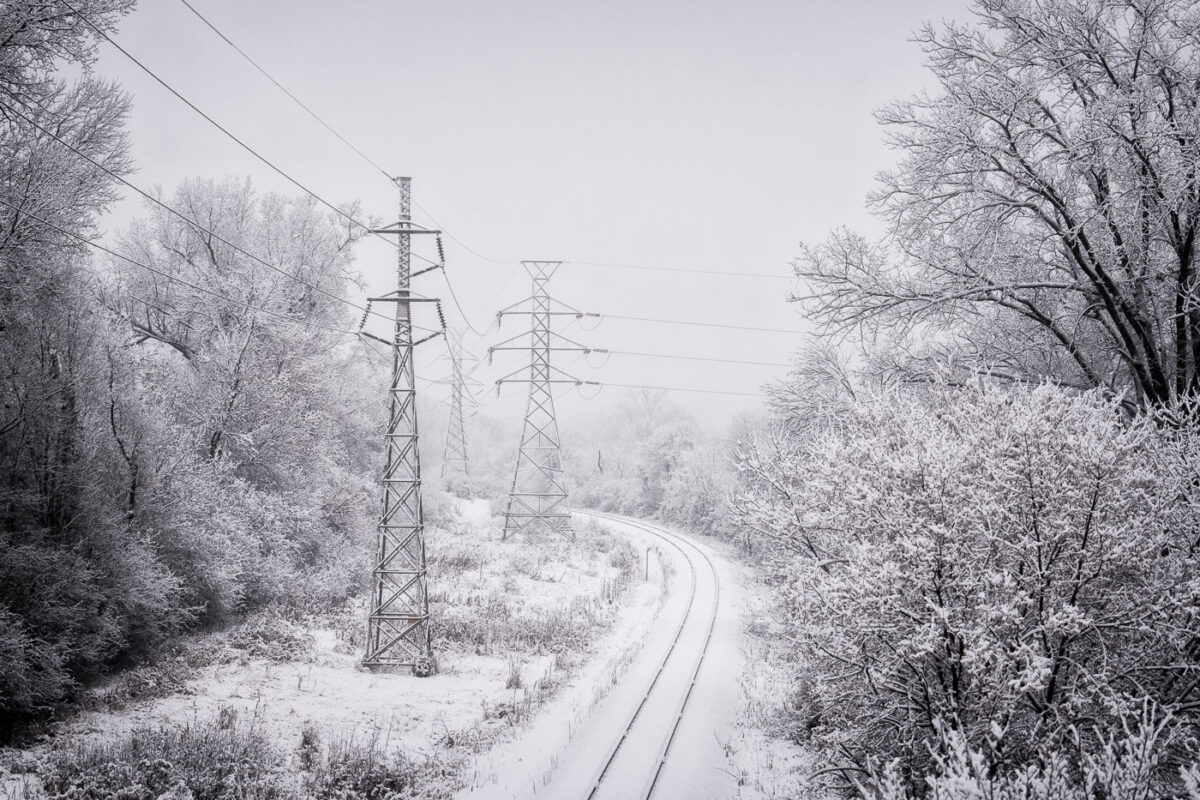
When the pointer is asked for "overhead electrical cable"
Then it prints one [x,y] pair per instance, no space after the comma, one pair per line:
[277,169]
[458,241]
[466,320]
[680,389]
[688,270]
[184,217]
[449,285]
[280,171]
[696,358]
[284,89]
[702,324]
[375,164]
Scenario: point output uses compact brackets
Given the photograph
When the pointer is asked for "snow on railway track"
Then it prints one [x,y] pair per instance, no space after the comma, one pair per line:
[662,731]
[688,550]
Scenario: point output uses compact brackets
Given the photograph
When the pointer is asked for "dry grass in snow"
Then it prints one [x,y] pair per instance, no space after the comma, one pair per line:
[769,755]
[512,620]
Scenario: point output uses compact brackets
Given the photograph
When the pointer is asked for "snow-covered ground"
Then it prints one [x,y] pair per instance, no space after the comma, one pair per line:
[492,681]
[524,765]
[332,693]
[542,721]
[611,744]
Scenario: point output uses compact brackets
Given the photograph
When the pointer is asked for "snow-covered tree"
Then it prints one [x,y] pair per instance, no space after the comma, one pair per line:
[649,458]
[76,586]
[1017,564]
[1043,217]
[262,404]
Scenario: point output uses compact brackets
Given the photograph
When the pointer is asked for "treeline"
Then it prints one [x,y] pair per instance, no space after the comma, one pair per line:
[173,450]
[984,521]
[649,458]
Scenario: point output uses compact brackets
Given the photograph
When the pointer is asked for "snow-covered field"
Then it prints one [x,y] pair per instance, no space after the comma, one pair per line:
[517,624]
[545,648]
[697,670]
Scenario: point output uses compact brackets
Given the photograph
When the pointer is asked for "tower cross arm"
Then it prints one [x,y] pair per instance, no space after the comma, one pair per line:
[405,227]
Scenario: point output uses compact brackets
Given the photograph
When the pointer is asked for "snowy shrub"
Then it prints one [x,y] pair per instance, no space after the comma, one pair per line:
[156,679]
[64,617]
[496,623]
[225,760]
[199,760]
[1124,764]
[271,636]
[495,611]
[309,749]
[513,681]
[33,674]
[439,509]
[365,770]
[695,495]
[1009,562]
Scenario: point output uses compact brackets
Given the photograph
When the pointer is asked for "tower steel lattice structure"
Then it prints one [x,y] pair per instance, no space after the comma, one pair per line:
[537,501]
[398,623]
[456,463]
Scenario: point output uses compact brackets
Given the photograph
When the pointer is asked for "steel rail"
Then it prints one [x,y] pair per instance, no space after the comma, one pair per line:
[675,541]
[712,624]
[612,756]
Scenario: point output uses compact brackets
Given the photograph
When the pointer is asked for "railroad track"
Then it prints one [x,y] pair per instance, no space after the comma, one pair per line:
[692,659]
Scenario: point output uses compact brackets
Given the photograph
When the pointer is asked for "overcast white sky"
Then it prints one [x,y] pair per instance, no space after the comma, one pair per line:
[671,133]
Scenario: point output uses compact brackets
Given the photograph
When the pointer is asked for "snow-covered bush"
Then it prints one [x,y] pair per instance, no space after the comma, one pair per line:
[1013,563]
[1124,764]
[369,770]
[223,759]
[695,494]
[272,637]
[204,759]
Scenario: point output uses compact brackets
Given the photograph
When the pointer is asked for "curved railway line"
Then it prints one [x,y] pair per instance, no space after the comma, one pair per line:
[689,660]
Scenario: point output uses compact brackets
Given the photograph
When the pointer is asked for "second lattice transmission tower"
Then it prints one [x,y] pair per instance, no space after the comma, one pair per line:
[456,463]
[538,497]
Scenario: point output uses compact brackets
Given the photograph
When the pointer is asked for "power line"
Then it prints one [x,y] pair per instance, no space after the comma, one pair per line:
[284,89]
[181,215]
[370,161]
[351,219]
[703,324]
[458,241]
[461,312]
[349,144]
[680,389]
[689,270]
[696,358]
[279,170]
[449,285]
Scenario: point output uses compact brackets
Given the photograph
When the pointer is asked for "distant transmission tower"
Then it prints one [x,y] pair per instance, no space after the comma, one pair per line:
[456,464]
[538,497]
[398,625]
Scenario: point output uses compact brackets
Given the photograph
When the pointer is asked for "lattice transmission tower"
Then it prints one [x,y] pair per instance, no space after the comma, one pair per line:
[456,463]
[398,623]
[538,497]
